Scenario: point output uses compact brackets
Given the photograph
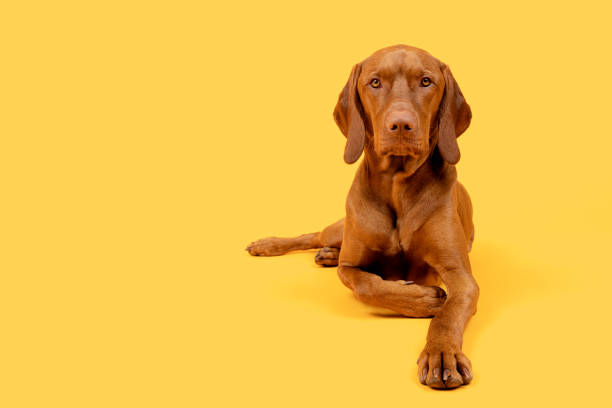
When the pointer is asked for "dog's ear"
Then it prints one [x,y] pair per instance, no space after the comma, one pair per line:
[454,117]
[347,115]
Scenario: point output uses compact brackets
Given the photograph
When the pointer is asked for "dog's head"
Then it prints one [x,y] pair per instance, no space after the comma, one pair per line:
[402,101]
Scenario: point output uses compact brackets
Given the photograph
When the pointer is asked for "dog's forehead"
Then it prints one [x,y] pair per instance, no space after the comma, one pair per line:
[400,59]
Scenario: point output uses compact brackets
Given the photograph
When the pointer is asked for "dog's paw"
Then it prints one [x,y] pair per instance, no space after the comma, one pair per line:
[444,367]
[327,256]
[408,298]
[267,247]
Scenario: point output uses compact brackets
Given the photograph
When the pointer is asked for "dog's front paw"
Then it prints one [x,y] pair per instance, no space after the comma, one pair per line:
[441,366]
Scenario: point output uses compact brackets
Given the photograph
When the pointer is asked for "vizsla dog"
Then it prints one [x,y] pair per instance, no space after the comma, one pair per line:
[408,220]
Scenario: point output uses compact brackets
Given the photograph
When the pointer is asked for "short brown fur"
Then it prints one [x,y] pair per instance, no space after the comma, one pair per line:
[408,220]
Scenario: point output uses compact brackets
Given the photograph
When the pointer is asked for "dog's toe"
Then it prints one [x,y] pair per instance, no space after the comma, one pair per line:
[327,256]
[443,369]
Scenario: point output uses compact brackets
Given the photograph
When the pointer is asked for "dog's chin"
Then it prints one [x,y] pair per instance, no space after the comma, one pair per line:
[405,156]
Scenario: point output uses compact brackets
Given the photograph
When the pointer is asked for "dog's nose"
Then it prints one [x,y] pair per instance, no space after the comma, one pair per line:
[400,121]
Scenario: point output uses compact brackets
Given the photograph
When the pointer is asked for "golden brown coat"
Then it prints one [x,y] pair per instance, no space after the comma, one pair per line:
[408,220]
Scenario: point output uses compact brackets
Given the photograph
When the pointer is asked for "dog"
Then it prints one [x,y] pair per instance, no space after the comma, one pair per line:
[408,221]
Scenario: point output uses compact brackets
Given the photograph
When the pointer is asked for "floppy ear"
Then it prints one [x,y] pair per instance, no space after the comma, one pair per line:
[347,115]
[454,118]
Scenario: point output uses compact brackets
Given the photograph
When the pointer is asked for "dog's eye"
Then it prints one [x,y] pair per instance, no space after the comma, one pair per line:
[425,81]
[375,83]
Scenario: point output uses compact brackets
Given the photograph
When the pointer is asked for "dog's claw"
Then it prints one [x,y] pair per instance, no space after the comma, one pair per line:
[436,373]
[403,282]
[423,376]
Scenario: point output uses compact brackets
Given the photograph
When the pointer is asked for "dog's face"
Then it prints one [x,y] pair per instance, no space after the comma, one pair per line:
[400,91]
[402,101]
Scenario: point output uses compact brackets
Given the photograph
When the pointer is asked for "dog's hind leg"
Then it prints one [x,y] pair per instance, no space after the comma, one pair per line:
[330,237]
[274,246]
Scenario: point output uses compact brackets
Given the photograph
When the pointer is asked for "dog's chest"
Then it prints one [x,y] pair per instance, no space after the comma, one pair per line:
[383,231]
[388,226]
[400,236]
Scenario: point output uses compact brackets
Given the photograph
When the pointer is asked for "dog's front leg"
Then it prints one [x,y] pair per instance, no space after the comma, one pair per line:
[442,363]
[406,298]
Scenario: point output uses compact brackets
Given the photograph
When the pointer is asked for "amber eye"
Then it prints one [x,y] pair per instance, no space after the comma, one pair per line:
[375,83]
[425,81]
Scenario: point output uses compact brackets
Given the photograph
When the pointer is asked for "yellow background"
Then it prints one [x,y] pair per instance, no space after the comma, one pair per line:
[144,145]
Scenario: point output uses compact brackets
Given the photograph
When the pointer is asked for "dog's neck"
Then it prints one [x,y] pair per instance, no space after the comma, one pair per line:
[390,177]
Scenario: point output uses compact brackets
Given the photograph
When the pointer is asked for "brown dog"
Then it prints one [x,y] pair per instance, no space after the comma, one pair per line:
[408,220]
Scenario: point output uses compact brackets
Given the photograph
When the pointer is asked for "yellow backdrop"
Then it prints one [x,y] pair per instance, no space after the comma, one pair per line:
[145,144]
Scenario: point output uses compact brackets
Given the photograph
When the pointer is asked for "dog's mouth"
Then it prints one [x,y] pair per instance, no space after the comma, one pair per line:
[409,153]
[406,146]
[404,151]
